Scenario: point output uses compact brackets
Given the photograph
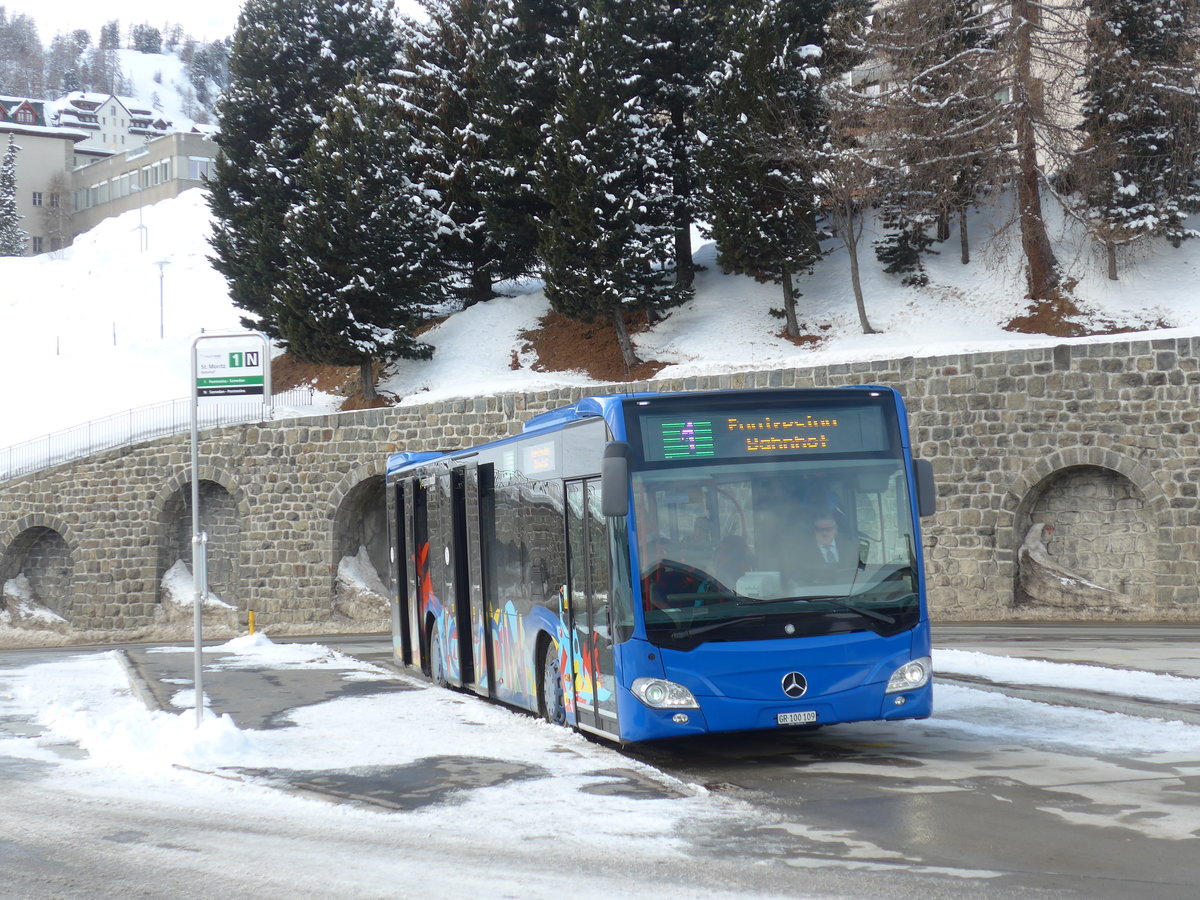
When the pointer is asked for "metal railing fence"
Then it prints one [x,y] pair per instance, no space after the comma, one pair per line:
[135,426]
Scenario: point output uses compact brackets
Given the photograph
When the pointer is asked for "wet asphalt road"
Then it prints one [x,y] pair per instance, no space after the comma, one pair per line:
[920,809]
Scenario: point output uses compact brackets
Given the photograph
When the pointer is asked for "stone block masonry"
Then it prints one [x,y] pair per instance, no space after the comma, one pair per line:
[1099,439]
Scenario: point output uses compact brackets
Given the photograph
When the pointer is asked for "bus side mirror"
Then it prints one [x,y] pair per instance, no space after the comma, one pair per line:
[926,487]
[614,479]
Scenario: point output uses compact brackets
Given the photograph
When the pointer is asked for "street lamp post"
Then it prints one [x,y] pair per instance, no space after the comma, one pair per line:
[143,237]
[162,265]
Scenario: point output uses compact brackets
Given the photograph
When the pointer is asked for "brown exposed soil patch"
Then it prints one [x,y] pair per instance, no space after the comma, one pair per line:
[565,345]
[287,372]
[1053,317]
[1062,317]
[806,338]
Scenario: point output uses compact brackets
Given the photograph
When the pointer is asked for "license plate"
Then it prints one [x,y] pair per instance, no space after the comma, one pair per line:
[796,718]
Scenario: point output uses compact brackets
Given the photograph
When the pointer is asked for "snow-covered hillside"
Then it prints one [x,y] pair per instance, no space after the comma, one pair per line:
[160,81]
[80,336]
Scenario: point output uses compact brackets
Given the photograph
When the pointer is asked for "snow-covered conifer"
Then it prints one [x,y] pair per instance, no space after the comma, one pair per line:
[518,88]
[942,130]
[761,204]
[12,238]
[360,246]
[1137,169]
[443,81]
[605,173]
[289,59]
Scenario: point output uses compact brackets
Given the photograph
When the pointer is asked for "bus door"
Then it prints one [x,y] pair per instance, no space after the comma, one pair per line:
[441,560]
[402,575]
[473,517]
[458,580]
[593,667]
[417,564]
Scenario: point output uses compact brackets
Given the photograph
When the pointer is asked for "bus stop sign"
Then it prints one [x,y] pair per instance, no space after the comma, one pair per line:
[222,372]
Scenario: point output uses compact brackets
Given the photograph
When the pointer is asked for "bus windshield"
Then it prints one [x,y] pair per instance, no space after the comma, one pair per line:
[760,550]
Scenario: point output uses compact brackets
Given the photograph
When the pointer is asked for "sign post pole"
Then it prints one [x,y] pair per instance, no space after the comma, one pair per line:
[218,373]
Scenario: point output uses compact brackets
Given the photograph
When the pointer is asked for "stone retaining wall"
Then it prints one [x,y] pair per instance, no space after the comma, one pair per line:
[1100,440]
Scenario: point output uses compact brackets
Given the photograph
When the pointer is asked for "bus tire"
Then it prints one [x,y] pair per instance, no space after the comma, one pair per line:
[550,690]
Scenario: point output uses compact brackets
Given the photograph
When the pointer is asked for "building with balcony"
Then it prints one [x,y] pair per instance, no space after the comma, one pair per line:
[87,157]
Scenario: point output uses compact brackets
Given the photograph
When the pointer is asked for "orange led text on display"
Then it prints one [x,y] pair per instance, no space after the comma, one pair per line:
[782,443]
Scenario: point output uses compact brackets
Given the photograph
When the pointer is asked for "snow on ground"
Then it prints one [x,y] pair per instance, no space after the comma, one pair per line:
[1009,670]
[86,700]
[141,758]
[60,311]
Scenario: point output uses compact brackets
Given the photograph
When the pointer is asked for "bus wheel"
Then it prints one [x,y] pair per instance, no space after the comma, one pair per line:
[437,662]
[550,692]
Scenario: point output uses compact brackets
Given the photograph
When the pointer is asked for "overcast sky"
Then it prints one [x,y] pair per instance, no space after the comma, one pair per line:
[207,20]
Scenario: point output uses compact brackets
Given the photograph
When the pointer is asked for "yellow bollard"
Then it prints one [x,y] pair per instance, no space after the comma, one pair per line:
[251,621]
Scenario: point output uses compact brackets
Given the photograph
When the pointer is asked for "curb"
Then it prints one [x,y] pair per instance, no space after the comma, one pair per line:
[138,684]
[1081,699]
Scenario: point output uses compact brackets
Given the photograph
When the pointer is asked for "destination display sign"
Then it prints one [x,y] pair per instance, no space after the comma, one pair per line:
[758,433]
[225,372]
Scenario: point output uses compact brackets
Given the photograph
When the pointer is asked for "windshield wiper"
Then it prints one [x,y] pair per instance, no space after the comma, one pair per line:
[839,602]
[712,626]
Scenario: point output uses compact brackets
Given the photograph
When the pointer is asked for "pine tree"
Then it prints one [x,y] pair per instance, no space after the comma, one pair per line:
[21,56]
[12,238]
[443,91]
[907,238]
[683,45]
[62,65]
[361,245]
[761,202]
[605,175]
[1137,170]
[146,39]
[518,90]
[289,59]
[942,131]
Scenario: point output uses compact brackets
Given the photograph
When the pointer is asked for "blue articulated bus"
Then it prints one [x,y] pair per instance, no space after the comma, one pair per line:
[650,566]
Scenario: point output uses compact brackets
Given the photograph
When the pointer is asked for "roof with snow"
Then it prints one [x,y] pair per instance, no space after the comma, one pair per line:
[22,111]
[23,115]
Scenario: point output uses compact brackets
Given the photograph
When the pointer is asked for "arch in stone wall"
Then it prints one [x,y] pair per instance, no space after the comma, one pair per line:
[43,550]
[223,508]
[358,506]
[1108,514]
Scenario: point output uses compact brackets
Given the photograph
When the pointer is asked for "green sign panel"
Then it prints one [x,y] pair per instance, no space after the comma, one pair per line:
[229,373]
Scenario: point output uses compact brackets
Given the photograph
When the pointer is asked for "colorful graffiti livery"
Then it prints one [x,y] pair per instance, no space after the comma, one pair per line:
[661,565]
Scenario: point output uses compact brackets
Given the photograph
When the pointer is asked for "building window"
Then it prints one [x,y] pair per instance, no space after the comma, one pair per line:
[54,201]
[198,168]
[37,245]
[37,198]
[25,117]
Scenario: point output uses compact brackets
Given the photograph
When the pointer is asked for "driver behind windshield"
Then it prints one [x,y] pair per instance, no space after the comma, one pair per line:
[824,555]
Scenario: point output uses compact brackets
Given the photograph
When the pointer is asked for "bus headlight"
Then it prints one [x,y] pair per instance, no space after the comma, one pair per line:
[911,675]
[660,694]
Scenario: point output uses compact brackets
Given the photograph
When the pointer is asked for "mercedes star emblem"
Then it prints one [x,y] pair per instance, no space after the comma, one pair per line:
[794,685]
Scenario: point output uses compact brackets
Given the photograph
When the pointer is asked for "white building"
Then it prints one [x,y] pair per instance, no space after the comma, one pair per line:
[113,124]
[44,164]
[87,157]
